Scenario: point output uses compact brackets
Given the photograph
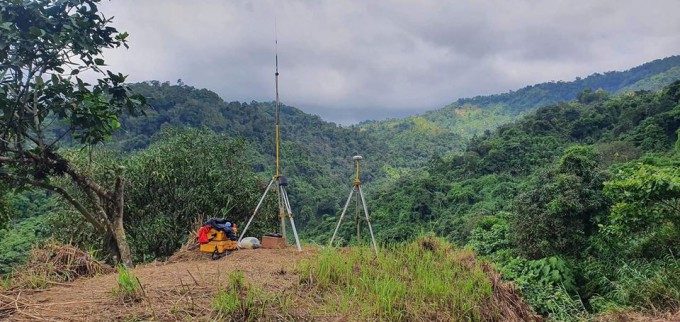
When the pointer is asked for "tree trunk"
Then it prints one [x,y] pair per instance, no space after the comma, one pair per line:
[110,207]
[121,243]
[117,223]
[115,243]
[110,246]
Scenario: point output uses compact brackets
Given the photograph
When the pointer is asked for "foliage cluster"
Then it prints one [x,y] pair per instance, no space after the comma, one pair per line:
[172,183]
[48,49]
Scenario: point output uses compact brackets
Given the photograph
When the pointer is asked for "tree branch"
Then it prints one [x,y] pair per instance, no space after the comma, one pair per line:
[99,209]
[120,199]
[77,177]
[15,160]
[97,225]
[669,205]
[60,137]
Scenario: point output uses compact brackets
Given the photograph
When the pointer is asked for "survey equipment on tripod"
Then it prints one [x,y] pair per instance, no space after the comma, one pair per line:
[360,204]
[278,178]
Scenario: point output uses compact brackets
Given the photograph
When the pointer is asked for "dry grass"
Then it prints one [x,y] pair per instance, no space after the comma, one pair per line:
[55,263]
[637,317]
[189,250]
[507,301]
[49,264]
[425,281]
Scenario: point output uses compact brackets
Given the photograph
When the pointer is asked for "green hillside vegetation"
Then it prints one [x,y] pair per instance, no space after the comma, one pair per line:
[316,155]
[468,117]
[561,171]
[578,203]
[654,82]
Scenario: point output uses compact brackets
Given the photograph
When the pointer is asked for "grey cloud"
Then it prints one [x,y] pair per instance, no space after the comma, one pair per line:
[353,60]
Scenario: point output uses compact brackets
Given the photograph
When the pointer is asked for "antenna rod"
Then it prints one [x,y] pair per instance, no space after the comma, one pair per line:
[356,159]
[276,115]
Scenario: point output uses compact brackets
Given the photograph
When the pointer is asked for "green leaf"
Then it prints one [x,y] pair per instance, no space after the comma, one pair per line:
[35,31]
[99,61]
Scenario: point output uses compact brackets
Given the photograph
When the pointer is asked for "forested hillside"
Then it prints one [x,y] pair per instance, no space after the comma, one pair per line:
[473,116]
[577,202]
[316,155]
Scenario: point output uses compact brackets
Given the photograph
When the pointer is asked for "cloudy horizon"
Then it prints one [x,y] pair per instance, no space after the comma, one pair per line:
[349,61]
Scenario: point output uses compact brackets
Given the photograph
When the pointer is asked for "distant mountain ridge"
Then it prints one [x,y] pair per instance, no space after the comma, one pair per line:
[401,143]
[321,151]
[532,96]
[468,117]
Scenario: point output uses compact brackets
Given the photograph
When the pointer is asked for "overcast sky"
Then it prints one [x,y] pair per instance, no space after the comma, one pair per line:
[349,61]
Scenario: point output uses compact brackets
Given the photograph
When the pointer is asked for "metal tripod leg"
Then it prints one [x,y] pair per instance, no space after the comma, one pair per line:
[370,229]
[286,202]
[243,233]
[342,215]
[280,194]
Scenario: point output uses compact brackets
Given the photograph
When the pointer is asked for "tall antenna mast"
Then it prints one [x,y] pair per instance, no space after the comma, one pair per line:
[276,115]
[281,181]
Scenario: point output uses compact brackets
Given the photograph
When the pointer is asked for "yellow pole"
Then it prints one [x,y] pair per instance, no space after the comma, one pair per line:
[277,149]
[276,116]
[356,178]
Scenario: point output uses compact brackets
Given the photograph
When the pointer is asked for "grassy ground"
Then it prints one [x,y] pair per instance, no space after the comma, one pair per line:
[427,280]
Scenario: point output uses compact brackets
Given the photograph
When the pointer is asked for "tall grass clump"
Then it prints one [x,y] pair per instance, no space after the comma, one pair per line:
[647,285]
[239,301]
[420,281]
[129,287]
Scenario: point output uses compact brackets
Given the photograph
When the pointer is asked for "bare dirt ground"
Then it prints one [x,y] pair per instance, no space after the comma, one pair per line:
[181,290]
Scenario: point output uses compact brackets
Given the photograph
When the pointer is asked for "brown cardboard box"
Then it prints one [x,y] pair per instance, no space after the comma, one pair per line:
[272,242]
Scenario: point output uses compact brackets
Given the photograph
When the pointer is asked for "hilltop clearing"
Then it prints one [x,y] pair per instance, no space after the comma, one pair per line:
[422,281]
[171,290]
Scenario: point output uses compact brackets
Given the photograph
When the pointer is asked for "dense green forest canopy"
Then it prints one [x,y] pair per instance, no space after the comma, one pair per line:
[561,200]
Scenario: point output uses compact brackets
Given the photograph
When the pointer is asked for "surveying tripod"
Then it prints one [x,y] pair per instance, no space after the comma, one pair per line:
[284,208]
[356,189]
[281,181]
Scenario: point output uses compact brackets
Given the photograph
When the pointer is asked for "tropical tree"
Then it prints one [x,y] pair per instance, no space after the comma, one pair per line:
[558,212]
[186,173]
[646,198]
[46,47]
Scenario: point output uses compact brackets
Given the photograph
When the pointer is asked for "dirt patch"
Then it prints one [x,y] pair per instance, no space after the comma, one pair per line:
[172,291]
